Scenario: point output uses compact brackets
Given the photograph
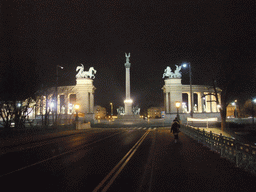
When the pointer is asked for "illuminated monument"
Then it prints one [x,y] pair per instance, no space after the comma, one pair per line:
[203,104]
[74,99]
[127,101]
[128,112]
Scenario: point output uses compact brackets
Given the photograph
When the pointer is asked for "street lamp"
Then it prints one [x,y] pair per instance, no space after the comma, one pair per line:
[178,104]
[76,108]
[235,111]
[56,91]
[190,82]
[253,101]
[111,104]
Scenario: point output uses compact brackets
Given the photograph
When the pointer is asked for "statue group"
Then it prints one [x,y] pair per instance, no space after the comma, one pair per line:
[168,72]
[85,74]
[135,110]
[121,111]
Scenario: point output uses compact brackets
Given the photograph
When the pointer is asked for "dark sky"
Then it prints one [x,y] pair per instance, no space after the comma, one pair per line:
[157,34]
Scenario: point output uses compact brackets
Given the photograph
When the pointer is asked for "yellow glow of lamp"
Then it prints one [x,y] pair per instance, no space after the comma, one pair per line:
[76,107]
[177,104]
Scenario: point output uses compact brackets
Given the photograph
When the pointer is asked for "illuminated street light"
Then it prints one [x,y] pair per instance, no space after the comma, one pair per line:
[190,82]
[111,104]
[235,111]
[177,105]
[253,101]
[51,104]
[76,108]
[56,91]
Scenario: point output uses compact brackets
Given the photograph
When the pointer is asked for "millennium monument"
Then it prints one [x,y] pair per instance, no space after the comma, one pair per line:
[128,113]
[127,101]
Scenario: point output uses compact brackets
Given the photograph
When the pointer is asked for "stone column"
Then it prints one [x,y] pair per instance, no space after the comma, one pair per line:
[167,102]
[200,107]
[128,101]
[92,102]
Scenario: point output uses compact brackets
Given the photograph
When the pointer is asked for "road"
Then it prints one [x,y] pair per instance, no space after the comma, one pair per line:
[123,159]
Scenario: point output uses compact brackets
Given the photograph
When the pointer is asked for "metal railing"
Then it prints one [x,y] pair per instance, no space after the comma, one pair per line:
[243,155]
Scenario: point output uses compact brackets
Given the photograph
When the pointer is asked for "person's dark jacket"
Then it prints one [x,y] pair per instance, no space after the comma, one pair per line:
[175,127]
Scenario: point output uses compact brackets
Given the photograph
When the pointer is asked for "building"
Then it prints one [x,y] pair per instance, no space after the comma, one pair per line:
[100,112]
[71,100]
[155,112]
[203,104]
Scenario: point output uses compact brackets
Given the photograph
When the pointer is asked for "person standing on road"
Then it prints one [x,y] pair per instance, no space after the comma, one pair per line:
[175,129]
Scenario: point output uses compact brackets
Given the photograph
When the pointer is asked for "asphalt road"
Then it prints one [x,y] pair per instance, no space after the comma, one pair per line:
[124,159]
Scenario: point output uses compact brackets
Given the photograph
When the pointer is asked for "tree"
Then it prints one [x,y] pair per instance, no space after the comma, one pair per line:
[232,74]
[249,108]
[18,84]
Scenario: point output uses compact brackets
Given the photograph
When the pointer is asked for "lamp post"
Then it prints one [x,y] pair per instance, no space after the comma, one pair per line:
[190,83]
[235,111]
[178,104]
[56,91]
[111,104]
[253,101]
[76,108]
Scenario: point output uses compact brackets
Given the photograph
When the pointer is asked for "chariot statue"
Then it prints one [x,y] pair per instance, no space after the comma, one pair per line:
[136,110]
[168,72]
[120,110]
[85,74]
[177,73]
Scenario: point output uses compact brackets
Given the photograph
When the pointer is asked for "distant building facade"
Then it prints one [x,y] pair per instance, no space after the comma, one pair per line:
[100,112]
[155,112]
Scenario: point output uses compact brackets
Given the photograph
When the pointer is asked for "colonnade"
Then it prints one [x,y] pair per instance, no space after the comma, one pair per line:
[204,97]
[82,94]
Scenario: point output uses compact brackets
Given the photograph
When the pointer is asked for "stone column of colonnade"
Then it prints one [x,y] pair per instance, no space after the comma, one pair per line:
[200,102]
[91,102]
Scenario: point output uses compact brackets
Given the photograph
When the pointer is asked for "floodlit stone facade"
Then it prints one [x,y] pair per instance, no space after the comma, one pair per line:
[204,101]
[81,95]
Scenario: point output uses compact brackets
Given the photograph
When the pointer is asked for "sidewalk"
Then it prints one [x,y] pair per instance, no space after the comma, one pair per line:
[190,166]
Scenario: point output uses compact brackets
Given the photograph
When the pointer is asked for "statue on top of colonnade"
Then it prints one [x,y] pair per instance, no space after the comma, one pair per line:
[85,74]
[168,72]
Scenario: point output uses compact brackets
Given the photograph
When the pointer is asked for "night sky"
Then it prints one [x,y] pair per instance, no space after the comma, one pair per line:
[157,34]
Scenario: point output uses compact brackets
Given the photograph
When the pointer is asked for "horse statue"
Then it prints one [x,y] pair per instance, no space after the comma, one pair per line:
[177,73]
[85,74]
[168,72]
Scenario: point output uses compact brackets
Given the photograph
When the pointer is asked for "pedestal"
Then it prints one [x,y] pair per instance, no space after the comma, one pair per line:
[85,95]
[173,92]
